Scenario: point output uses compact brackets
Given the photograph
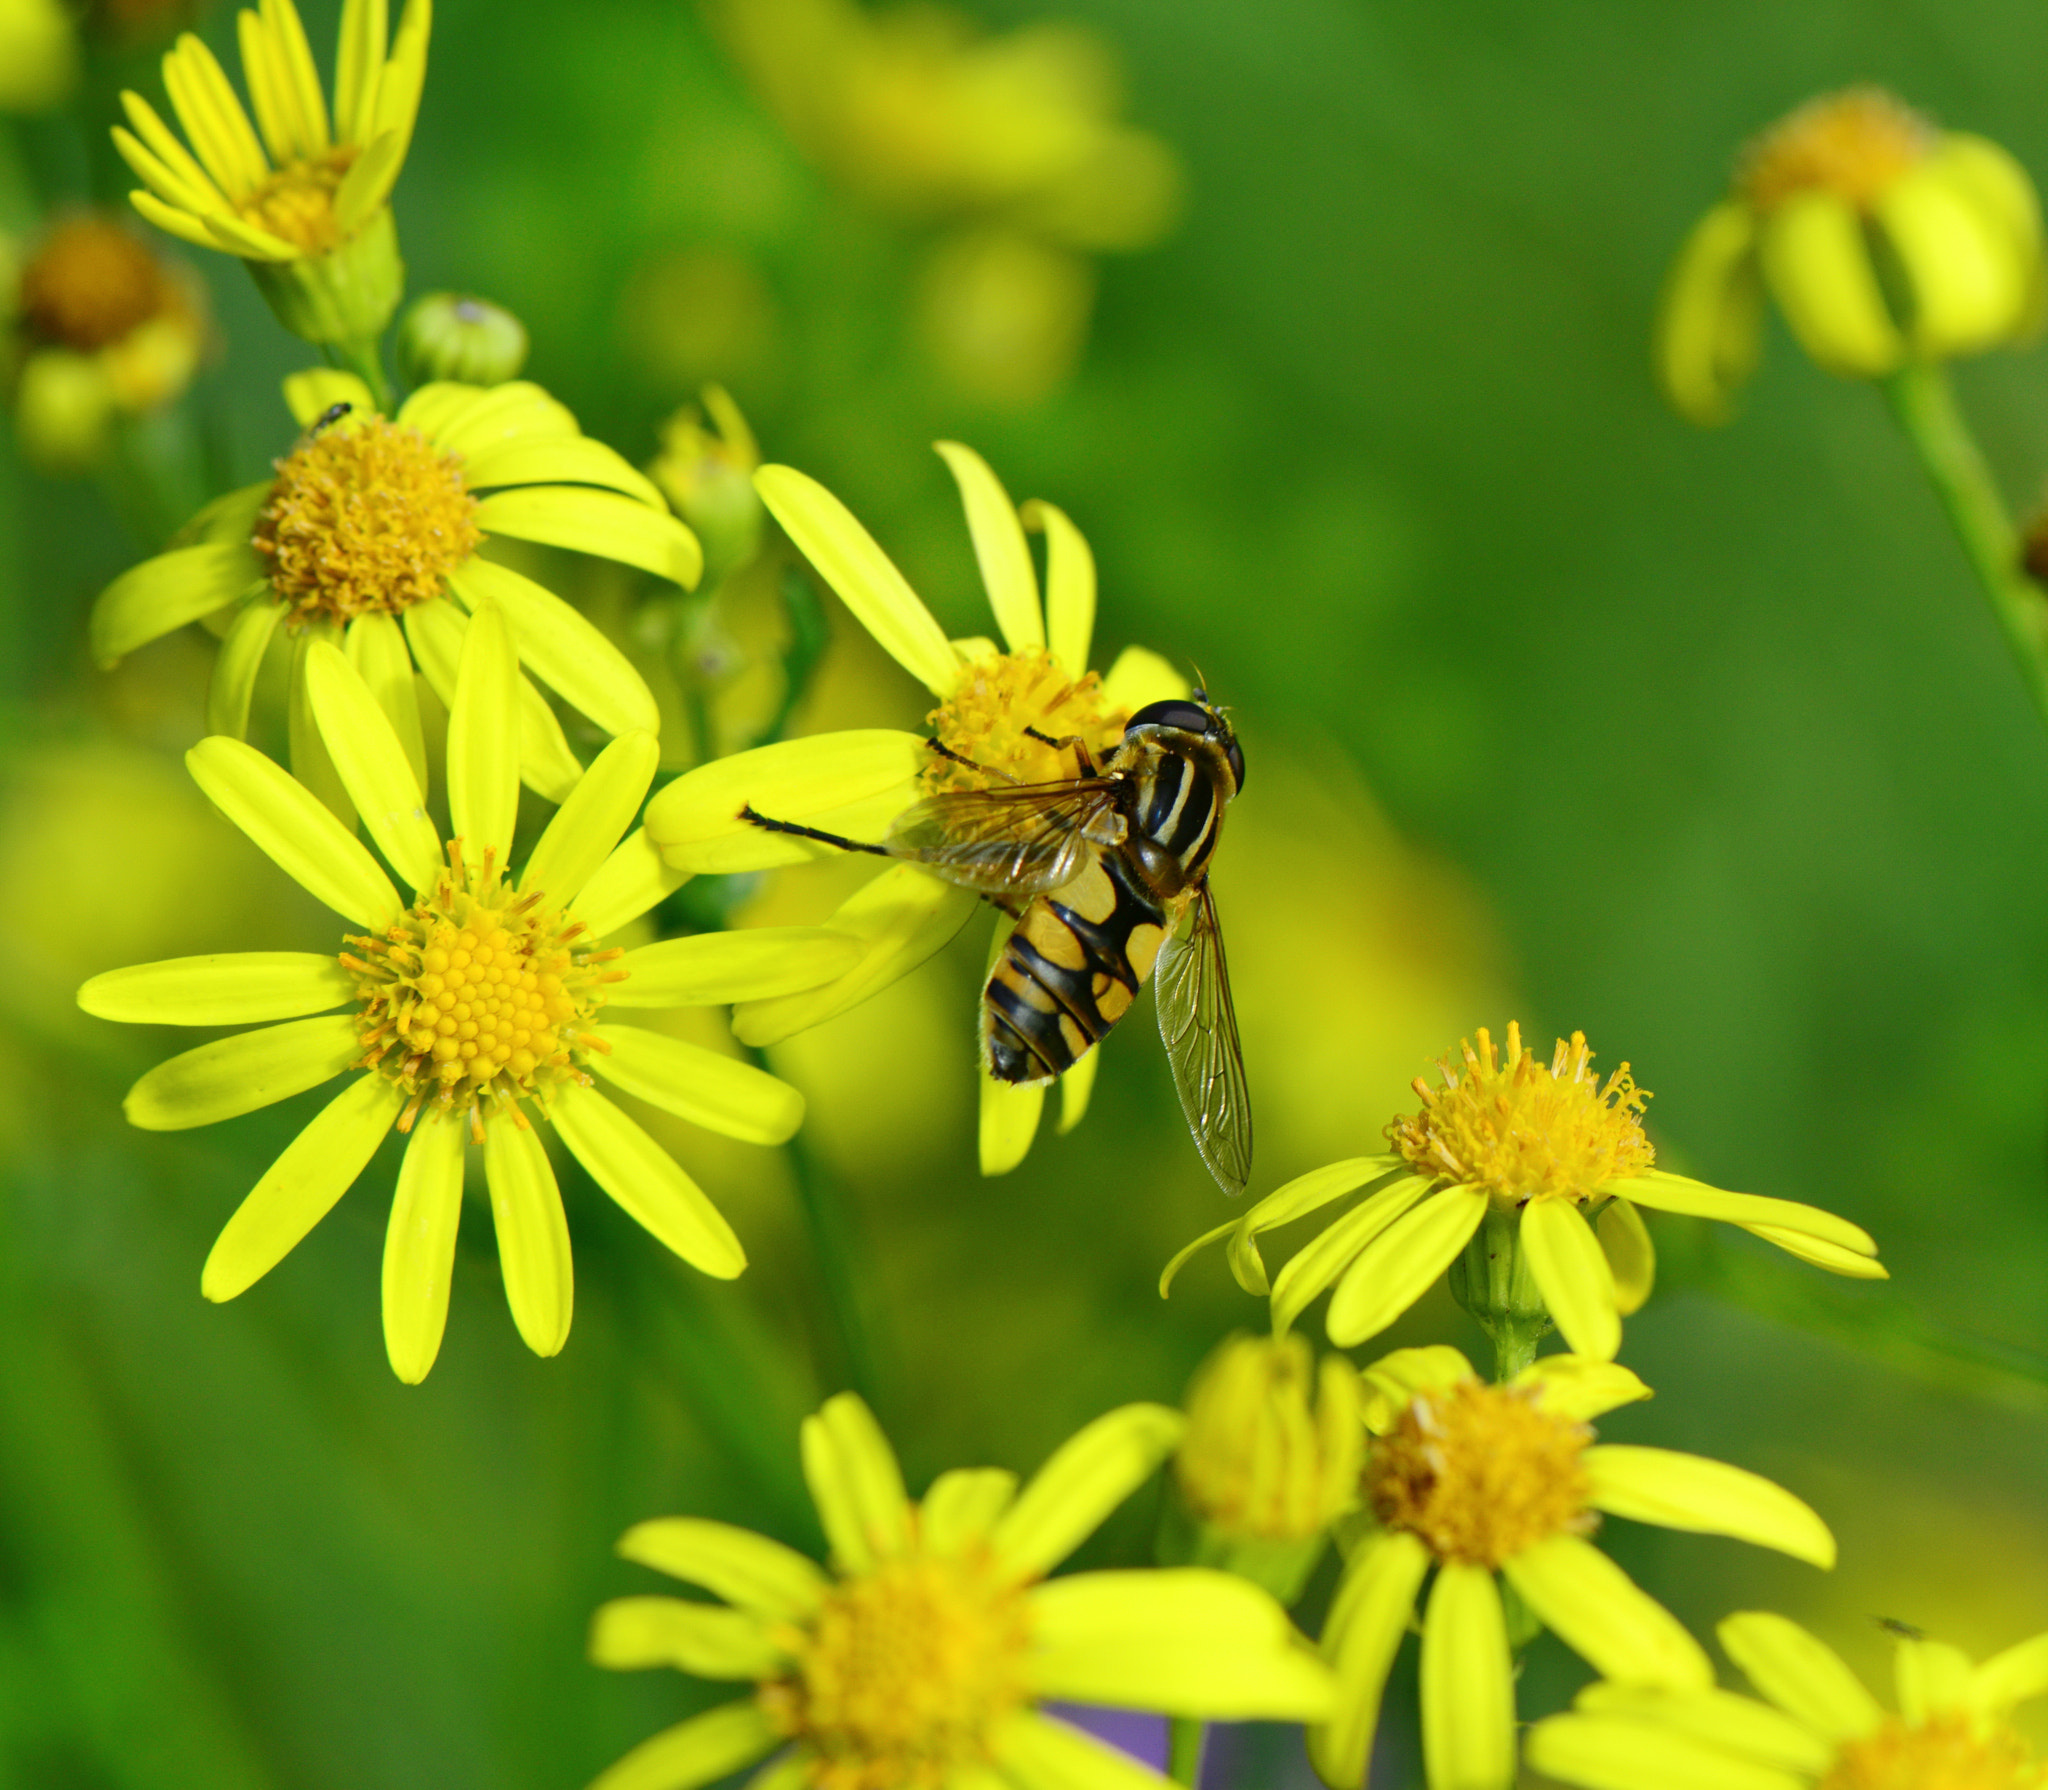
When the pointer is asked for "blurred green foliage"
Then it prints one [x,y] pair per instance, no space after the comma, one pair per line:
[1714,726]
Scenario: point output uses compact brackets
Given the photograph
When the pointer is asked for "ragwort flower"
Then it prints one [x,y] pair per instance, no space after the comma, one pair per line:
[369,535]
[468,1013]
[1817,1724]
[312,219]
[1541,1146]
[917,1662]
[1882,239]
[1475,1480]
[993,703]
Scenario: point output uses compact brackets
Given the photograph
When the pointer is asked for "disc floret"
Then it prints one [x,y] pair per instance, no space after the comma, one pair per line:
[1854,144]
[1000,708]
[1945,1752]
[478,997]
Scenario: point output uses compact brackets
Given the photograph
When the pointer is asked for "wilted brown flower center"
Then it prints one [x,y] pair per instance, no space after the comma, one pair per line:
[1946,1753]
[90,284]
[1852,144]
[996,700]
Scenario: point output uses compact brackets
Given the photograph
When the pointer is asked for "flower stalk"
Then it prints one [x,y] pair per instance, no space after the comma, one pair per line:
[1187,1741]
[1492,1280]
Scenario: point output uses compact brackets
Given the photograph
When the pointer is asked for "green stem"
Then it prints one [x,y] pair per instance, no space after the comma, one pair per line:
[366,361]
[1924,403]
[1492,1281]
[1187,1739]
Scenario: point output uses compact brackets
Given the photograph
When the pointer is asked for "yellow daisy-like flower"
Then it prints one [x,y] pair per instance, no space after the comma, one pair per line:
[992,700]
[1882,239]
[1475,1480]
[1817,1725]
[915,1664]
[312,218]
[369,536]
[468,1013]
[1541,1147]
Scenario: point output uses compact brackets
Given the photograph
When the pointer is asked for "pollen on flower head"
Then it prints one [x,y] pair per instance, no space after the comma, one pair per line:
[90,284]
[996,700]
[903,1675]
[1853,144]
[477,997]
[1479,1472]
[1521,1130]
[1947,1752]
[365,517]
[297,202]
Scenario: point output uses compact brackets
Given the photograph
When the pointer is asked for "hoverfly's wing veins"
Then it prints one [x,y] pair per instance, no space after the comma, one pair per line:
[1021,842]
[1198,1023]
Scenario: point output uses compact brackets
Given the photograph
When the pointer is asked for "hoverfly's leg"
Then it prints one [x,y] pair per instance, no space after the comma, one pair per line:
[960,758]
[1006,904]
[767,825]
[1083,758]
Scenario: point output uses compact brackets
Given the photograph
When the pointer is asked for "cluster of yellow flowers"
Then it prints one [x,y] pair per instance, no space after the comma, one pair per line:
[491,945]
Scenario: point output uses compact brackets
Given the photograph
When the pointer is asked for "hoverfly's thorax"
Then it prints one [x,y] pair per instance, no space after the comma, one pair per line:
[1179,788]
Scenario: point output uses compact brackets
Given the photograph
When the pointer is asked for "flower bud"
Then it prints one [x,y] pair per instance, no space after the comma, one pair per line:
[706,469]
[1262,1471]
[449,335]
[1881,238]
[63,410]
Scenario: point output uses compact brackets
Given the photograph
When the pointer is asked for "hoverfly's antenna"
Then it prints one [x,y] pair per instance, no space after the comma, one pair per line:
[1201,689]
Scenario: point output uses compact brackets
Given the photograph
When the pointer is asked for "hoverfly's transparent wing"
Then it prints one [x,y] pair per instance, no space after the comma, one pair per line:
[1199,1025]
[1020,841]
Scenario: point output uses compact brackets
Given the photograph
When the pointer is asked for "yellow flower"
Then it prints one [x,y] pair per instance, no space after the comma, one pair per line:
[107,329]
[467,1013]
[706,469]
[1475,1479]
[1542,1147]
[856,783]
[1882,239]
[38,55]
[916,1664]
[1818,1725]
[369,535]
[312,219]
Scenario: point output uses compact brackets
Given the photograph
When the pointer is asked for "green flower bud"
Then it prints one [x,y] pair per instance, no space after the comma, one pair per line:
[344,295]
[449,335]
[63,410]
[706,469]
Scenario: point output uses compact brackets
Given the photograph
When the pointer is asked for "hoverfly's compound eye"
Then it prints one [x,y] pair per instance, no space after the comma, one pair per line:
[1237,763]
[1189,717]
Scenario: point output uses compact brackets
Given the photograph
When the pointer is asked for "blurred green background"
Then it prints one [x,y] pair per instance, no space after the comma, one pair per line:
[1554,707]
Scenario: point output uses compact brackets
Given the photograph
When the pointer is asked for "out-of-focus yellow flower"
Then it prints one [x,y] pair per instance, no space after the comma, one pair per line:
[1003,314]
[1538,1144]
[369,535]
[706,468]
[1474,1480]
[470,1011]
[919,1661]
[106,329]
[450,335]
[993,702]
[1882,239]
[38,55]
[1817,1724]
[312,217]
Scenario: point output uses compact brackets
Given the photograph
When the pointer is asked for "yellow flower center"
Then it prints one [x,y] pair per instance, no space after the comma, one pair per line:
[365,516]
[90,284]
[478,996]
[297,202]
[903,1675]
[996,701]
[1947,1753]
[1522,1131]
[1480,1472]
[1853,144]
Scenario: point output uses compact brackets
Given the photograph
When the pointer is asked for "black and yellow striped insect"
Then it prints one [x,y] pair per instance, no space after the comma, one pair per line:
[1107,875]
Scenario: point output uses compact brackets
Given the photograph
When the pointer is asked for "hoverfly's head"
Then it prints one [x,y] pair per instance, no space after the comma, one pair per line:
[1195,717]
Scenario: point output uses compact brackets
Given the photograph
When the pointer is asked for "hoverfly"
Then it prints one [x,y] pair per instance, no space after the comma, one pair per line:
[1107,875]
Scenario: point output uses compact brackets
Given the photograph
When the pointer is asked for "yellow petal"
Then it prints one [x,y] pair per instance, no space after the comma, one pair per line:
[467,419]
[181,224]
[1468,1689]
[1319,1261]
[237,1075]
[1820,1253]
[856,1484]
[166,592]
[703,1086]
[289,826]
[1599,1612]
[1088,1476]
[745,1569]
[713,968]
[1673,1193]
[546,765]
[2017,1675]
[1368,1619]
[213,117]
[1069,587]
[963,1507]
[311,393]
[163,143]
[900,919]
[275,105]
[1800,1673]
[376,647]
[558,460]
[301,1187]
[1304,1194]
[294,63]
[699,1751]
[419,1243]
[1686,1491]
[195,194]
[483,740]
[398,93]
[359,62]
[1969,286]
[1573,1276]
[533,1236]
[867,581]
[1720,1718]
[1933,1680]
[434,631]
[999,549]
[1403,1264]
[1140,676]
[632,1633]
[1710,318]
[561,647]
[1008,1123]
[625,886]
[1038,1753]
[588,826]
[1631,1256]
[1622,1755]
[1574,1387]
[1818,267]
[235,988]
[646,1181]
[306,751]
[1391,1383]
[372,765]
[366,187]
[597,522]
[1077,1087]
